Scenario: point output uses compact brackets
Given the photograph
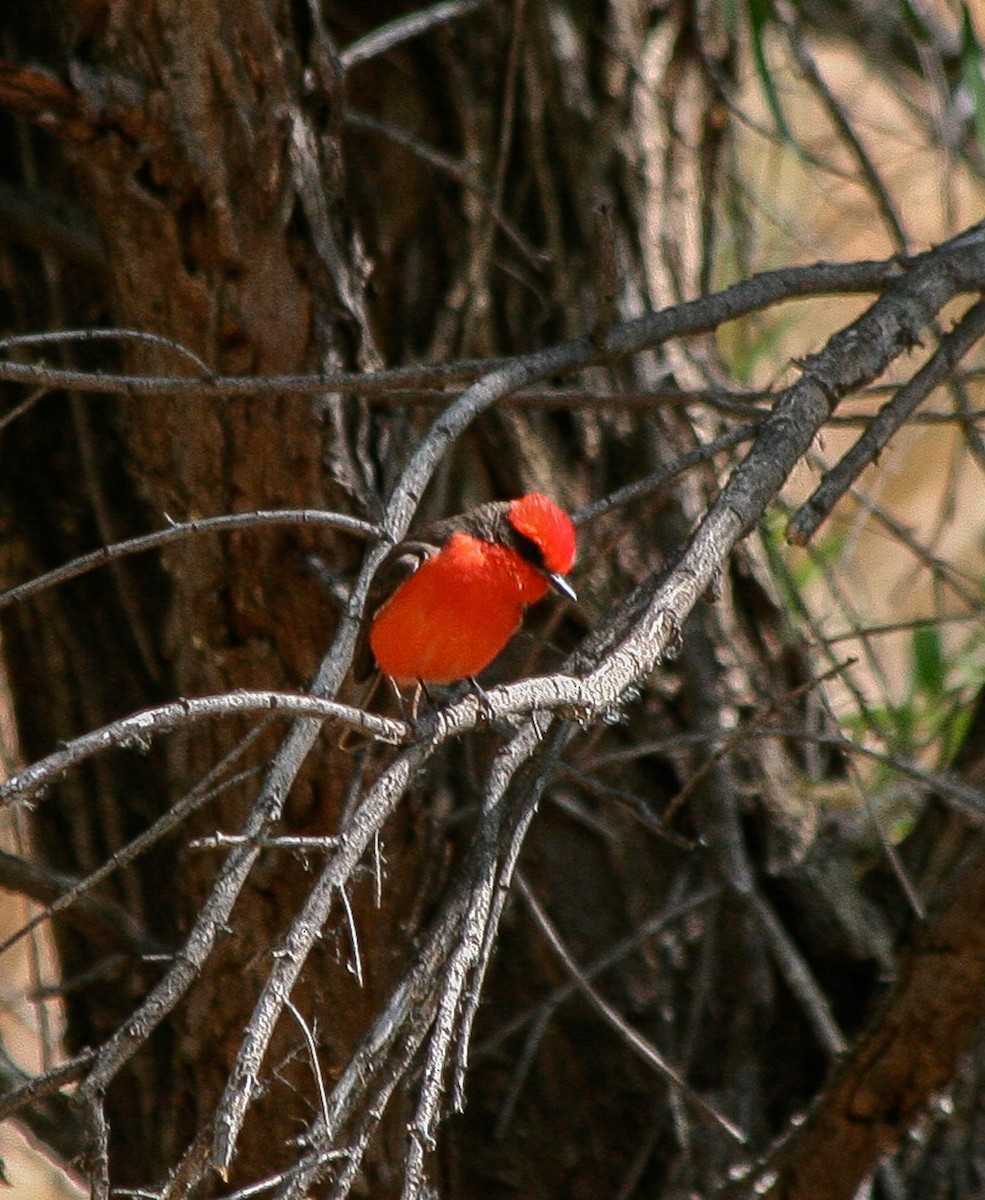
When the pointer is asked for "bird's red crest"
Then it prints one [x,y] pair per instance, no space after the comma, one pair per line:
[538,518]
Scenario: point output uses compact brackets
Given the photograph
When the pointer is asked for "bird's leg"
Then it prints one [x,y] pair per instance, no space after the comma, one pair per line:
[485,704]
[420,690]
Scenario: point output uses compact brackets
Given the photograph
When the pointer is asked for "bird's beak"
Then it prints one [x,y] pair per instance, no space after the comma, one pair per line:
[560,584]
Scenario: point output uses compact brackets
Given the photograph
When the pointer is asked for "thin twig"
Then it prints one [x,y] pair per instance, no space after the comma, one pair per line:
[954,346]
[40,1086]
[849,635]
[176,532]
[25,406]
[864,798]
[836,111]
[729,743]
[203,792]
[97,1154]
[60,337]
[648,928]
[223,841]
[463,172]
[357,962]
[636,1042]
[312,1054]
[102,919]
[386,37]
[965,586]
[798,975]
[969,799]
[702,315]
[656,479]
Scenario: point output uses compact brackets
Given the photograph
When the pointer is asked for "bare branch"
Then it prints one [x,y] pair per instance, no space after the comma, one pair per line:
[206,789]
[108,923]
[629,1035]
[134,731]
[386,37]
[696,316]
[953,347]
[176,532]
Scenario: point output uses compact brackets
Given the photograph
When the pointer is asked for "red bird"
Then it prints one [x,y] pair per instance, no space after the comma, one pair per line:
[477,574]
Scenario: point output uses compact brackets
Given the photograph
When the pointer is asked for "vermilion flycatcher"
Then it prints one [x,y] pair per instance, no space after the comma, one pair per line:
[477,574]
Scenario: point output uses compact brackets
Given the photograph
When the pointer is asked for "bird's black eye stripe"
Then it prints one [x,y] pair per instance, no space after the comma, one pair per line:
[528,548]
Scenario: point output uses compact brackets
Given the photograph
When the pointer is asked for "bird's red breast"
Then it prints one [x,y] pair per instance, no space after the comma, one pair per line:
[452,617]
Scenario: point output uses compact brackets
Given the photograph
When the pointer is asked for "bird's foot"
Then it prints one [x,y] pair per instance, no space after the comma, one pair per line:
[486,712]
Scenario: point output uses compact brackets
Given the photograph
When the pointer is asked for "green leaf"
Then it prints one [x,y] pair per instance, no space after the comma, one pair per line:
[915,23]
[972,61]
[760,14]
[929,665]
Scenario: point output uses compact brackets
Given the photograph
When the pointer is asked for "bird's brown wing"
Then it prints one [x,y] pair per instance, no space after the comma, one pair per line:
[486,521]
[402,561]
[364,688]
